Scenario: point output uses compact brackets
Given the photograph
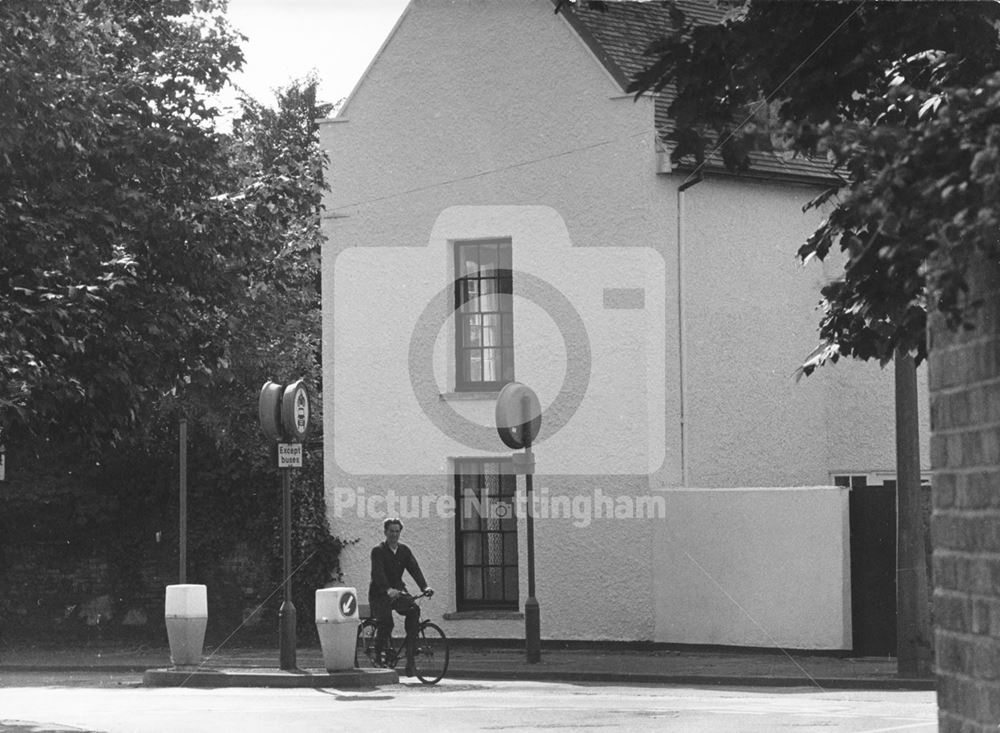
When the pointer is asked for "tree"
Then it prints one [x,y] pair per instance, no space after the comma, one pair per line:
[273,327]
[155,267]
[902,99]
[117,256]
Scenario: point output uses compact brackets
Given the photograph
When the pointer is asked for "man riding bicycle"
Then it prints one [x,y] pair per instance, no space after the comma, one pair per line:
[387,592]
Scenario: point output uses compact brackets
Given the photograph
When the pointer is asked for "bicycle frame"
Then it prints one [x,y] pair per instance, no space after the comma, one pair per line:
[393,655]
[432,656]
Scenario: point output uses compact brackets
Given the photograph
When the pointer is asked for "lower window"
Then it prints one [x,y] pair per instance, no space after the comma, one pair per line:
[486,535]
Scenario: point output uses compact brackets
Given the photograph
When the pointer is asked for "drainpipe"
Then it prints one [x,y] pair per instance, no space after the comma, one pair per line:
[681,335]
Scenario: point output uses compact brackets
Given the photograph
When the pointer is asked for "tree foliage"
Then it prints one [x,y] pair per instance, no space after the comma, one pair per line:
[903,100]
[117,255]
[153,268]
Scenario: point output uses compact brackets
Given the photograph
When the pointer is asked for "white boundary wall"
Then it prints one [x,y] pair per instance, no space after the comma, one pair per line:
[762,567]
[754,567]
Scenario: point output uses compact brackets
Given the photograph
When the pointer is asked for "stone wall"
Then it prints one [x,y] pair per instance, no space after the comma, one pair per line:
[965,454]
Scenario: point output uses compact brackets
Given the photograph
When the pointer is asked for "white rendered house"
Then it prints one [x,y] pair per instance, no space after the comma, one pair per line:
[501,210]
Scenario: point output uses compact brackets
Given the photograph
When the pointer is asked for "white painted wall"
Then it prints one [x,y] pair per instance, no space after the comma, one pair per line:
[528,138]
[754,567]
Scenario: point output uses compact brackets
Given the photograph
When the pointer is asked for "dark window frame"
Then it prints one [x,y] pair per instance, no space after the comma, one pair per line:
[484,294]
[493,479]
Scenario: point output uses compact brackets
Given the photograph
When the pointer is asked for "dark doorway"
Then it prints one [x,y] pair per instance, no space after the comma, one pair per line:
[873,569]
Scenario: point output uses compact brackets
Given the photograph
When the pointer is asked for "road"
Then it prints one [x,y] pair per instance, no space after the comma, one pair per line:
[118,704]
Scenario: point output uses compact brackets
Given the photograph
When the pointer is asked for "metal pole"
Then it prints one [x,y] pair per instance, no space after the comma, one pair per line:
[532,615]
[286,614]
[182,531]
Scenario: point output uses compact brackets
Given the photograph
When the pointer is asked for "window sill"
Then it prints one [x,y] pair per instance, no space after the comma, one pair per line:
[484,615]
[456,396]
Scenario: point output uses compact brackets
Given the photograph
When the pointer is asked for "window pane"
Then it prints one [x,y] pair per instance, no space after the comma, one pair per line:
[494,548]
[505,259]
[488,300]
[488,258]
[467,259]
[510,550]
[510,584]
[473,580]
[508,481]
[505,284]
[472,330]
[473,366]
[490,365]
[509,523]
[494,584]
[491,482]
[491,329]
[472,553]
[468,293]
[470,476]
[468,516]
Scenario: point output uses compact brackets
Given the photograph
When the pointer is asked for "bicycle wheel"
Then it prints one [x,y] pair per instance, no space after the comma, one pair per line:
[431,659]
[364,649]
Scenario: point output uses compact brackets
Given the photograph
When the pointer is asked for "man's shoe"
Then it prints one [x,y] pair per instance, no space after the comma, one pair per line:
[411,669]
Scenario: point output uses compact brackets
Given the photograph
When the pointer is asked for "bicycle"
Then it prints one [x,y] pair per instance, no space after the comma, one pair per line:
[430,657]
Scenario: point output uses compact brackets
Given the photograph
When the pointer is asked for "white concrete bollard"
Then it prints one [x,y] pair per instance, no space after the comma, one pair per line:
[337,626]
[186,614]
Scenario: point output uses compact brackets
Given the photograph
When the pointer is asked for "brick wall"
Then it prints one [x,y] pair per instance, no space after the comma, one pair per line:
[965,455]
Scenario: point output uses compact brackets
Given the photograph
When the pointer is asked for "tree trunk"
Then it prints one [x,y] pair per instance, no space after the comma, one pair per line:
[913,627]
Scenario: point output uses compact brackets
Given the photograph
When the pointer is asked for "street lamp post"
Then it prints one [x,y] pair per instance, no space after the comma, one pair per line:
[532,614]
[519,418]
[284,416]
[286,614]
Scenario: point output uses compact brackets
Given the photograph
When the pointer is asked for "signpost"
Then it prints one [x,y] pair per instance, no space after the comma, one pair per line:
[289,455]
[284,417]
[182,500]
[519,418]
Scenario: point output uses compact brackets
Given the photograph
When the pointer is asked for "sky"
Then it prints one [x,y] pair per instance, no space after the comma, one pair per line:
[288,39]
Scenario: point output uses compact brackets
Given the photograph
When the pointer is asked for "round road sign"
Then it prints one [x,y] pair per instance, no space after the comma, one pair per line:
[518,414]
[348,604]
[269,410]
[295,411]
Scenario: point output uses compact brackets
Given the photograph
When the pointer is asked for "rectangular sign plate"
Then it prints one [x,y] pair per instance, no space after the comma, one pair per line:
[289,455]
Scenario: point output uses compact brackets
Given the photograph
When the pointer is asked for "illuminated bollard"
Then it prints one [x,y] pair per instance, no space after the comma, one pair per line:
[337,626]
[186,616]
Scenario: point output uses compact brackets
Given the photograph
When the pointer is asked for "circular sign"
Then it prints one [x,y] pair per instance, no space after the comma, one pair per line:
[348,604]
[518,415]
[269,410]
[295,411]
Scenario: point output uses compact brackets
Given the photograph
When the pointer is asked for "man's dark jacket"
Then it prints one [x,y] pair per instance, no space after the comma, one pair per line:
[387,572]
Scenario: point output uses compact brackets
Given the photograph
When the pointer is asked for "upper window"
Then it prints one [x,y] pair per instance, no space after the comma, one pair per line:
[484,319]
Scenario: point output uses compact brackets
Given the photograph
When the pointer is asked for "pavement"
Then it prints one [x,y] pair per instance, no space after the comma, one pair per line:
[608,663]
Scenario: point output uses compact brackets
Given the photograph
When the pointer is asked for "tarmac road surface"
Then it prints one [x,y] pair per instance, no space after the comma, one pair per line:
[119,705]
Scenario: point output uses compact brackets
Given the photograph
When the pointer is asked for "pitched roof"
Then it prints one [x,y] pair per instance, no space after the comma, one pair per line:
[619,31]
